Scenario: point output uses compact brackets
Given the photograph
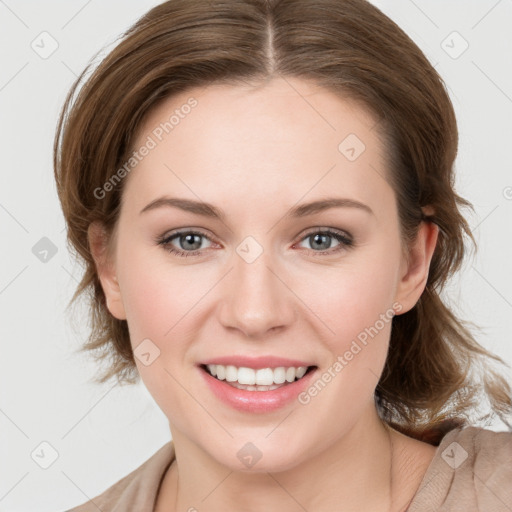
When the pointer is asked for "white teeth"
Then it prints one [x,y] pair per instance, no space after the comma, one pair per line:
[255,388]
[231,373]
[261,377]
[246,376]
[265,377]
[279,375]
[221,372]
[301,371]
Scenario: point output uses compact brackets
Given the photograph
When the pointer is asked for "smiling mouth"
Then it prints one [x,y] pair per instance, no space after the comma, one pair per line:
[262,379]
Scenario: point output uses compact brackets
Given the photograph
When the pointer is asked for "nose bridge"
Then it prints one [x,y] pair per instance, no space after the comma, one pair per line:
[256,300]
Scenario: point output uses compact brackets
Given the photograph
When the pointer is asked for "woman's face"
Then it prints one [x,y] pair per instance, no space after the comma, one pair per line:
[268,276]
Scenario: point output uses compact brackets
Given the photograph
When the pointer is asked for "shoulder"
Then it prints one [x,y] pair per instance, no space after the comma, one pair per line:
[483,452]
[471,470]
[480,436]
[137,490]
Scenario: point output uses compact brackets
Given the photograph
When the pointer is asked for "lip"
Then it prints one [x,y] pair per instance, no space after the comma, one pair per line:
[257,362]
[257,401]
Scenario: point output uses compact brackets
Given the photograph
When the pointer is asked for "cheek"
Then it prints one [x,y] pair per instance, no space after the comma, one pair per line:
[157,298]
[148,308]
[356,297]
[357,308]
[156,295]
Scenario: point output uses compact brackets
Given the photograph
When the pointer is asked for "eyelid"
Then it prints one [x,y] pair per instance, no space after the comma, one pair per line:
[166,237]
[325,229]
[345,239]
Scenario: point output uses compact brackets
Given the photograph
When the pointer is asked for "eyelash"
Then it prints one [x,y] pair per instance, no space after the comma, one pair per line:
[344,239]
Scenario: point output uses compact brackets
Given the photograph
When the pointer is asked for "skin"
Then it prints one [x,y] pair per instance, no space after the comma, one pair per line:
[255,152]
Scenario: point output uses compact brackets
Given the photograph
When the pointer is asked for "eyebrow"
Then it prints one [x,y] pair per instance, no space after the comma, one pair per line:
[209,210]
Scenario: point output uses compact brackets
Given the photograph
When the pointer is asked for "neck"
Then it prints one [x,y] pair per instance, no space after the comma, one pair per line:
[355,472]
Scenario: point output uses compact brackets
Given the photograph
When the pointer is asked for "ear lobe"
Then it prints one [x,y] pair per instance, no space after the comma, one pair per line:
[415,271]
[105,267]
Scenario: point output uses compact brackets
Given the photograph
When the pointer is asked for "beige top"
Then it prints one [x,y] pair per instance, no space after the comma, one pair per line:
[471,472]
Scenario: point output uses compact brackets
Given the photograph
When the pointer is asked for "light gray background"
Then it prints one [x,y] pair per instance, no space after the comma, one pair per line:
[103,433]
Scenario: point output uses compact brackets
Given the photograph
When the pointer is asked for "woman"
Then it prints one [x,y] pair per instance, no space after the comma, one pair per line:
[262,195]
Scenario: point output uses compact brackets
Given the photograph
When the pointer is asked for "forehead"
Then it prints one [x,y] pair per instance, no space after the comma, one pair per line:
[287,139]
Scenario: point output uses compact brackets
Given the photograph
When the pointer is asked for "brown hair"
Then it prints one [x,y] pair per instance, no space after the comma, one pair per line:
[351,48]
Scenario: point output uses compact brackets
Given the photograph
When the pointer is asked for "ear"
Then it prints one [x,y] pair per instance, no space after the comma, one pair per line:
[105,267]
[415,268]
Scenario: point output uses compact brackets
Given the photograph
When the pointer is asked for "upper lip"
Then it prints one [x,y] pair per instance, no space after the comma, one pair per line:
[256,362]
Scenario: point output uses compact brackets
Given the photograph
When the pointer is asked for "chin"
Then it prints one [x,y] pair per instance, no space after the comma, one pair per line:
[257,457]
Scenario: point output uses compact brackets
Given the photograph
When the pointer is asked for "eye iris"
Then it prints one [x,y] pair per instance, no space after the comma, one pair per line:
[320,239]
[185,239]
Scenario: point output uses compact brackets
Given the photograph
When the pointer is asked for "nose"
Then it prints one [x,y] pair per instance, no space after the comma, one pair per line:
[256,298]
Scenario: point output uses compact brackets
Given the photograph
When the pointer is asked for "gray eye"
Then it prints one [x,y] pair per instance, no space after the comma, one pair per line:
[190,241]
[320,241]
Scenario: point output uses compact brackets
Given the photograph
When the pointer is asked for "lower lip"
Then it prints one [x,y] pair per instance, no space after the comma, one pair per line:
[256,401]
